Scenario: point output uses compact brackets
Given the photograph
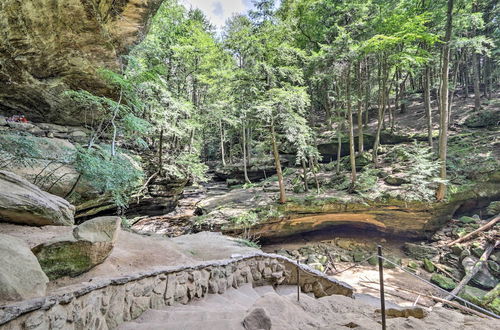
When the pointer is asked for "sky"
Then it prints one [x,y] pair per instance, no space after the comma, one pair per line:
[218,11]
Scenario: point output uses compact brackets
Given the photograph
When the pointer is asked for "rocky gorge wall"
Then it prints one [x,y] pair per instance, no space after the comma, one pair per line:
[105,303]
[47,47]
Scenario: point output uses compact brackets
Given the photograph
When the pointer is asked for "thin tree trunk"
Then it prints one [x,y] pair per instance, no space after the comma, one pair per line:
[360,112]
[381,111]
[115,113]
[367,95]
[222,138]
[427,103]
[160,154]
[443,134]
[488,78]
[352,152]
[313,170]
[244,144]
[304,173]
[454,84]
[277,163]
[249,146]
[477,91]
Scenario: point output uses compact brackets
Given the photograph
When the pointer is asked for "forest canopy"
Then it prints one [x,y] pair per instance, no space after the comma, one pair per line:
[281,79]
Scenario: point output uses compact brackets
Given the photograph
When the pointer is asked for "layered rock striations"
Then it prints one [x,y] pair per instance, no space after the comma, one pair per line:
[47,47]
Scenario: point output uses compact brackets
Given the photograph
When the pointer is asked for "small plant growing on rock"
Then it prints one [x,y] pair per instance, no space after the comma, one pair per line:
[116,176]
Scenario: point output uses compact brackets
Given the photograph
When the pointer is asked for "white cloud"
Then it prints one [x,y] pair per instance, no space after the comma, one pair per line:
[218,11]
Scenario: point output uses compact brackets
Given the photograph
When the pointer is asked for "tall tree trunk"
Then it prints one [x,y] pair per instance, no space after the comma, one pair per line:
[160,154]
[339,145]
[381,109]
[249,146]
[277,163]
[360,111]
[427,103]
[352,152]
[222,138]
[443,134]
[313,170]
[304,173]
[477,91]
[368,92]
[466,76]
[244,145]
[488,78]
[454,83]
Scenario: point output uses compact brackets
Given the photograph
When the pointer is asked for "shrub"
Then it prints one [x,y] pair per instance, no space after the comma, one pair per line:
[117,176]
[420,168]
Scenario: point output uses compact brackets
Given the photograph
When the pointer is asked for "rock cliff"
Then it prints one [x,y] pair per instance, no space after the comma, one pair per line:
[49,46]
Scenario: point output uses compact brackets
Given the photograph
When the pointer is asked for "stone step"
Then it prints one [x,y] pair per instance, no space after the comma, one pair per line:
[263,290]
[249,291]
[195,314]
[233,324]
[237,297]
[211,301]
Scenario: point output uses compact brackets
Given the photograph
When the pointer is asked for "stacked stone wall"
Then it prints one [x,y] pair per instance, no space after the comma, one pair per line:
[106,303]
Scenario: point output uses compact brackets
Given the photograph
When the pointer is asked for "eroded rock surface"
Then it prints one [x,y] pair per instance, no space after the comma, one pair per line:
[24,203]
[51,46]
[21,277]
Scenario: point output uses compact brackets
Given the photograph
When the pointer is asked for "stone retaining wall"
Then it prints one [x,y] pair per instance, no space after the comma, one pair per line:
[104,304]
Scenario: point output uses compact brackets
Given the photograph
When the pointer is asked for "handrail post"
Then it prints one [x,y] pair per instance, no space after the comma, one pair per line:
[298,280]
[382,296]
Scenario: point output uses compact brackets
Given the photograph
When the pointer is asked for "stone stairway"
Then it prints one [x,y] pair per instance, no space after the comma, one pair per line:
[267,307]
[217,311]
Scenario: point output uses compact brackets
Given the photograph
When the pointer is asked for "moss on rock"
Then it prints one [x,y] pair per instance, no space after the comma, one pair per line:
[443,282]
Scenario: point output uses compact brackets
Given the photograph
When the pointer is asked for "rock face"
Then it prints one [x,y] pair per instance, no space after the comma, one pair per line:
[21,276]
[420,252]
[89,246]
[24,203]
[483,278]
[51,46]
[236,173]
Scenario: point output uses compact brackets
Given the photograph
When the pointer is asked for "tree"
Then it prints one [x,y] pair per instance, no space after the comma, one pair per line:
[443,106]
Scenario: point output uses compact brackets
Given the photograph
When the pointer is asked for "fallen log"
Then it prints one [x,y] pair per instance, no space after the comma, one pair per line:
[473,271]
[449,303]
[477,231]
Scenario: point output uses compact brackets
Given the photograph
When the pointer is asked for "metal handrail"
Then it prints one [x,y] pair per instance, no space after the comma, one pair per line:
[489,313]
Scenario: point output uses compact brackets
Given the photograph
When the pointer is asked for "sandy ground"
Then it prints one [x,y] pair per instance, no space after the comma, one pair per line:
[211,246]
[365,279]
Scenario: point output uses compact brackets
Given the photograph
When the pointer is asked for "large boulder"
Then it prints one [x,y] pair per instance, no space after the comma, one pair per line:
[21,276]
[51,46]
[24,203]
[88,246]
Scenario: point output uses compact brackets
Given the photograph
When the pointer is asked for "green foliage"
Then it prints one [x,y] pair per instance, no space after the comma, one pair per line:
[366,181]
[483,119]
[340,182]
[117,176]
[470,157]
[248,243]
[17,150]
[245,219]
[420,168]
